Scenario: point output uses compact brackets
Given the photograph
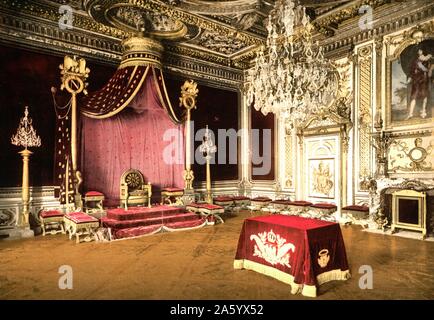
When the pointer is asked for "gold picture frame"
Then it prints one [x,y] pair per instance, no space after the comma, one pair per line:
[410,78]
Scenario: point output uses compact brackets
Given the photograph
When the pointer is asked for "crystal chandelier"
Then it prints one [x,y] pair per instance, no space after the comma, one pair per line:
[292,79]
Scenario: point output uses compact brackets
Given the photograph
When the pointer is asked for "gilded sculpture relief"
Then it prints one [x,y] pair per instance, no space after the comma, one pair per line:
[322,182]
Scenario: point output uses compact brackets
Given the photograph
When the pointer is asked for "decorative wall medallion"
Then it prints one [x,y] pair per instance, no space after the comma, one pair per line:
[404,158]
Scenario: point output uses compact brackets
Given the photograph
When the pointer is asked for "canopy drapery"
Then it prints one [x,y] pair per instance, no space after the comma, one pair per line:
[122,88]
[129,123]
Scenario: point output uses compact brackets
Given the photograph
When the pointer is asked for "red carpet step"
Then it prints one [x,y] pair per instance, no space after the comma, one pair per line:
[137,221]
[134,213]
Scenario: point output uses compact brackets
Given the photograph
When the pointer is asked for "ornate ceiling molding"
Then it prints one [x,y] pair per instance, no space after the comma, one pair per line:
[220,7]
[218,39]
[99,9]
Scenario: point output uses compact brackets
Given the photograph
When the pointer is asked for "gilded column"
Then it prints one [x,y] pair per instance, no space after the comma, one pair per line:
[25,188]
[364,116]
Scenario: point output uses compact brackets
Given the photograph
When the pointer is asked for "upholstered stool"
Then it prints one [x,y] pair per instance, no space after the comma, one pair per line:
[93,202]
[324,208]
[53,220]
[356,211]
[223,201]
[172,196]
[193,207]
[212,210]
[280,204]
[80,224]
[298,206]
[241,201]
[260,202]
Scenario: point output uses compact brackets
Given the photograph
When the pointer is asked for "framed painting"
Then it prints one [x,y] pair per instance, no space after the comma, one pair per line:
[410,89]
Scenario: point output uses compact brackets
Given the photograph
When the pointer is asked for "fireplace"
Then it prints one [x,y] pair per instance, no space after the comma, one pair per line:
[409,211]
[388,194]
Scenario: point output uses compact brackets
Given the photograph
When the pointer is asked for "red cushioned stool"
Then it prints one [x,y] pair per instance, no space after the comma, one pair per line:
[280,204]
[80,224]
[260,202]
[223,201]
[299,206]
[241,201]
[212,210]
[356,211]
[324,208]
[172,196]
[193,207]
[53,220]
[93,202]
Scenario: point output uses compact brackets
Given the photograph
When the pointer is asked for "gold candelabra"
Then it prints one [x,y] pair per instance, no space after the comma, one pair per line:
[25,137]
[208,149]
[189,93]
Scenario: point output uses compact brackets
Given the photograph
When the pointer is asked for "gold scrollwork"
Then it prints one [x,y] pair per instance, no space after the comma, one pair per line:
[417,156]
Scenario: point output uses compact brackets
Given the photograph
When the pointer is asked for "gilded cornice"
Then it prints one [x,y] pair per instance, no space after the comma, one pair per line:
[41,10]
[331,19]
[387,19]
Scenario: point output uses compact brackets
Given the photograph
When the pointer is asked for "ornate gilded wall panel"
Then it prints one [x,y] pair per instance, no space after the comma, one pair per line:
[289,167]
[411,155]
[364,114]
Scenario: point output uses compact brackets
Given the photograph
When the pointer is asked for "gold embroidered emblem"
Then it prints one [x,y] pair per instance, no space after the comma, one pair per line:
[272,248]
[323,258]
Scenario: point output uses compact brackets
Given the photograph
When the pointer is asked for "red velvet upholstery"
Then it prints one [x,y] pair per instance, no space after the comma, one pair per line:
[80,217]
[281,201]
[262,199]
[324,206]
[194,205]
[210,206]
[138,221]
[236,198]
[356,208]
[94,194]
[51,213]
[223,199]
[300,203]
[172,190]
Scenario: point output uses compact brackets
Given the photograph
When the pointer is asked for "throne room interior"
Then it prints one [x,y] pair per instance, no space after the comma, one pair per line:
[224,149]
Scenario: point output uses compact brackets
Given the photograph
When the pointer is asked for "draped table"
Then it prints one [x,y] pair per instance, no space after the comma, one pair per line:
[301,252]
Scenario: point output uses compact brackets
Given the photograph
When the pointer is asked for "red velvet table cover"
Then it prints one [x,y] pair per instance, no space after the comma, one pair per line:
[298,251]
